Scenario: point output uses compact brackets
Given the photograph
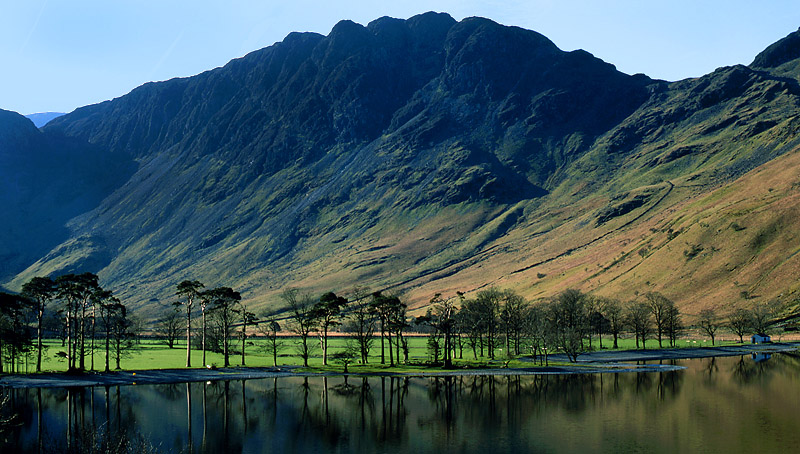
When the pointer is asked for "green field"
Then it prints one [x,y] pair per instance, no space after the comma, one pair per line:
[154,354]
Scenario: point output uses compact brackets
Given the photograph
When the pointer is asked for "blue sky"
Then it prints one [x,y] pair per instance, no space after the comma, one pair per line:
[58,55]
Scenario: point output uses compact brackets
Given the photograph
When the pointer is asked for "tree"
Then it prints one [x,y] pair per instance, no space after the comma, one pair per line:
[473,325]
[362,322]
[638,318]
[248,318]
[381,306]
[190,290]
[539,327]
[270,329]
[740,322]
[111,310]
[205,300]
[396,323]
[222,303]
[598,323]
[674,325]
[707,321]
[660,307]
[615,317]
[302,309]
[41,291]
[512,319]
[392,315]
[121,331]
[441,316]
[570,322]
[486,309]
[99,297]
[168,326]
[14,335]
[761,315]
[76,290]
[347,356]
[327,311]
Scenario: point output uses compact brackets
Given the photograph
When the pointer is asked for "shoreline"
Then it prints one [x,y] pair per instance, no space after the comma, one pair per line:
[587,363]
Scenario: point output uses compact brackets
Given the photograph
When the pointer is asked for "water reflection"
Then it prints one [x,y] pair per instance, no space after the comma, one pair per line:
[705,407]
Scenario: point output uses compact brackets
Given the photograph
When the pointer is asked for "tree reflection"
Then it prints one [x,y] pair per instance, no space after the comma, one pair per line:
[389,413]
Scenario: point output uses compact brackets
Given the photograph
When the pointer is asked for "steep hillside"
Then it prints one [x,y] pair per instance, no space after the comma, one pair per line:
[432,155]
[44,182]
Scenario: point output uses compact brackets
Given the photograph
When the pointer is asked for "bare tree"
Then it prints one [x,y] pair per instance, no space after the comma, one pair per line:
[362,322]
[761,316]
[223,301]
[487,308]
[270,328]
[512,319]
[740,322]
[615,317]
[304,320]
[570,322]
[660,307]
[708,322]
[441,316]
[539,328]
[248,319]
[674,325]
[169,326]
[638,318]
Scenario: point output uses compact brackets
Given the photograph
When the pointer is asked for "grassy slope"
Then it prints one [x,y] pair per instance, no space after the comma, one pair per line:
[737,238]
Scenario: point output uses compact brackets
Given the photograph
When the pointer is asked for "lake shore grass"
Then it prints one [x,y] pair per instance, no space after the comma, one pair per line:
[156,363]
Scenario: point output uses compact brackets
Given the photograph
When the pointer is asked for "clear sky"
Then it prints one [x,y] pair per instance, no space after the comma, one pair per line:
[57,55]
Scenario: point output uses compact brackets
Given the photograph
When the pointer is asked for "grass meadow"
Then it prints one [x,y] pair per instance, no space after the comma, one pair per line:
[155,354]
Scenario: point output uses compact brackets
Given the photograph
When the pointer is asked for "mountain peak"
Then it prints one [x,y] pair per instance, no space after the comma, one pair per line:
[780,52]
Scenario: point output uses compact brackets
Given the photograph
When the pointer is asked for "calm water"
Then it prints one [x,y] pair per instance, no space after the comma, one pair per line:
[715,405]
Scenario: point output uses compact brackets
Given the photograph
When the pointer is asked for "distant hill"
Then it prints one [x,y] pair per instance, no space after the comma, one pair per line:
[431,155]
[41,119]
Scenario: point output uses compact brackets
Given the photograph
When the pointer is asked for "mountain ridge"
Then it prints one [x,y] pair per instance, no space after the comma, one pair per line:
[401,151]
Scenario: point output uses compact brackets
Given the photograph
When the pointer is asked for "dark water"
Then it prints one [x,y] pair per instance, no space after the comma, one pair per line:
[715,405]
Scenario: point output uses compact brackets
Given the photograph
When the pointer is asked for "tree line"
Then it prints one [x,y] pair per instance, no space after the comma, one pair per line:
[493,324]
[86,317]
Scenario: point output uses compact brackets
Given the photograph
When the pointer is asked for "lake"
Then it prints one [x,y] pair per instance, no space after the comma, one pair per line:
[733,404]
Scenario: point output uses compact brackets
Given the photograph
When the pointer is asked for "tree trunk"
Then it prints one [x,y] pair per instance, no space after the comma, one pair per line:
[244,337]
[69,341]
[391,358]
[383,355]
[188,336]
[325,344]
[82,338]
[108,341]
[94,318]
[39,316]
[204,339]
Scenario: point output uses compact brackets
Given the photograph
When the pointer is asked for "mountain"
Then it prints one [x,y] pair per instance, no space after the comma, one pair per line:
[46,181]
[432,155]
[42,118]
